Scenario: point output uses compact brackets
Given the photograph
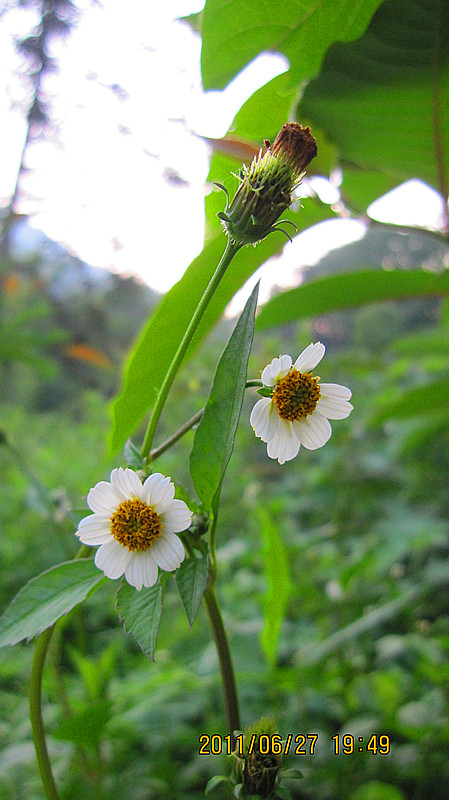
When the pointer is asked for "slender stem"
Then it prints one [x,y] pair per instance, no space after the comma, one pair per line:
[35,696]
[176,436]
[35,699]
[224,657]
[228,255]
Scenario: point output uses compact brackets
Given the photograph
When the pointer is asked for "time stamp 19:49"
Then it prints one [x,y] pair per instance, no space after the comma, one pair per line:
[300,744]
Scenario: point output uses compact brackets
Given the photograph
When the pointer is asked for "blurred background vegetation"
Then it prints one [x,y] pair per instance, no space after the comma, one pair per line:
[364,646]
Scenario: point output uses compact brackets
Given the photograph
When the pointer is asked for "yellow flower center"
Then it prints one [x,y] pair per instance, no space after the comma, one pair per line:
[135,525]
[296,395]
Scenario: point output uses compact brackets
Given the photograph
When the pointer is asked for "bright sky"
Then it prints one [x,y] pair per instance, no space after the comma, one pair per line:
[121,182]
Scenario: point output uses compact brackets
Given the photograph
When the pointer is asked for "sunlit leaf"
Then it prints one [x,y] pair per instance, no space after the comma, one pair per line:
[350,290]
[214,438]
[383,99]
[191,579]
[234,33]
[46,598]
[141,614]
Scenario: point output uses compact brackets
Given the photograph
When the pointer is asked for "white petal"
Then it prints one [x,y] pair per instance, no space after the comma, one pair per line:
[159,492]
[177,518]
[276,369]
[310,357]
[334,391]
[260,417]
[103,499]
[127,483]
[313,431]
[168,551]
[94,530]
[113,559]
[334,409]
[284,445]
[142,570]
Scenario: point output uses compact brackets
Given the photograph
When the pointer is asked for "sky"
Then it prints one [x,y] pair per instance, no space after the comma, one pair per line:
[121,180]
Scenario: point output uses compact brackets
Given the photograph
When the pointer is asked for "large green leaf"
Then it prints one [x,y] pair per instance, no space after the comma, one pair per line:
[141,614]
[152,355]
[234,33]
[348,291]
[383,100]
[214,438]
[46,598]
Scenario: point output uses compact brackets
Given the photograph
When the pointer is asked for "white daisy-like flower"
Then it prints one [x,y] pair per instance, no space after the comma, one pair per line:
[135,525]
[299,407]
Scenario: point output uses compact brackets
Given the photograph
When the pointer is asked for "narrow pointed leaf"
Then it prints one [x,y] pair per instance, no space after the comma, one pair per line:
[214,438]
[46,598]
[191,579]
[151,357]
[349,291]
[141,614]
[279,584]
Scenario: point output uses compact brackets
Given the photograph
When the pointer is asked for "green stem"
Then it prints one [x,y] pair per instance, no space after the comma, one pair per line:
[35,699]
[176,436]
[228,255]
[35,696]
[224,657]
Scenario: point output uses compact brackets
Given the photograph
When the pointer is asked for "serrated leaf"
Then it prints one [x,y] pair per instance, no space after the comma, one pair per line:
[234,33]
[191,579]
[350,290]
[279,584]
[215,435]
[141,614]
[46,598]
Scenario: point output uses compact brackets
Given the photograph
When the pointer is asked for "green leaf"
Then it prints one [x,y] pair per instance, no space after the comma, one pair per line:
[348,291]
[85,727]
[141,614]
[279,584]
[191,579]
[46,598]
[151,357]
[377,790]
[217,780]
[418,400]
[383,100]
[234,33]
[214,438]
[133,456]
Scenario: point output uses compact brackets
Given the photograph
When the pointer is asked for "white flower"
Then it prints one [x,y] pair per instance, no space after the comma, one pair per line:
[299,407]
[135,524]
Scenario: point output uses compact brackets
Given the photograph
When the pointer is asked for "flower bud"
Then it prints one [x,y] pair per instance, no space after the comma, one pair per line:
[266,187]
[258,762]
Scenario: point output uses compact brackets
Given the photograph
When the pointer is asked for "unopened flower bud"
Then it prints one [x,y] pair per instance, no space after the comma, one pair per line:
[259,760]
[266,187]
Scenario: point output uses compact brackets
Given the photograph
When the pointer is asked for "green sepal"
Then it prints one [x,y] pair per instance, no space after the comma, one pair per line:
[266,391]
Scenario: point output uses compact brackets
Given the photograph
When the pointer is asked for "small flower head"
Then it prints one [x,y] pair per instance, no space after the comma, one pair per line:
[258,761]
[296,408]
[266,187]
[135,525]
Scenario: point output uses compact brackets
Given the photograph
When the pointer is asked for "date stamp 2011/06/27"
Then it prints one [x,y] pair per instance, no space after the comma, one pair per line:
[300,744]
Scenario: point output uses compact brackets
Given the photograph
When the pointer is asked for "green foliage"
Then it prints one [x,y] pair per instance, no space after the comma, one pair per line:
[47,598]
[141,614]
[214,439]
[279,584]
[234,34]
[349,291]
[191,579]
